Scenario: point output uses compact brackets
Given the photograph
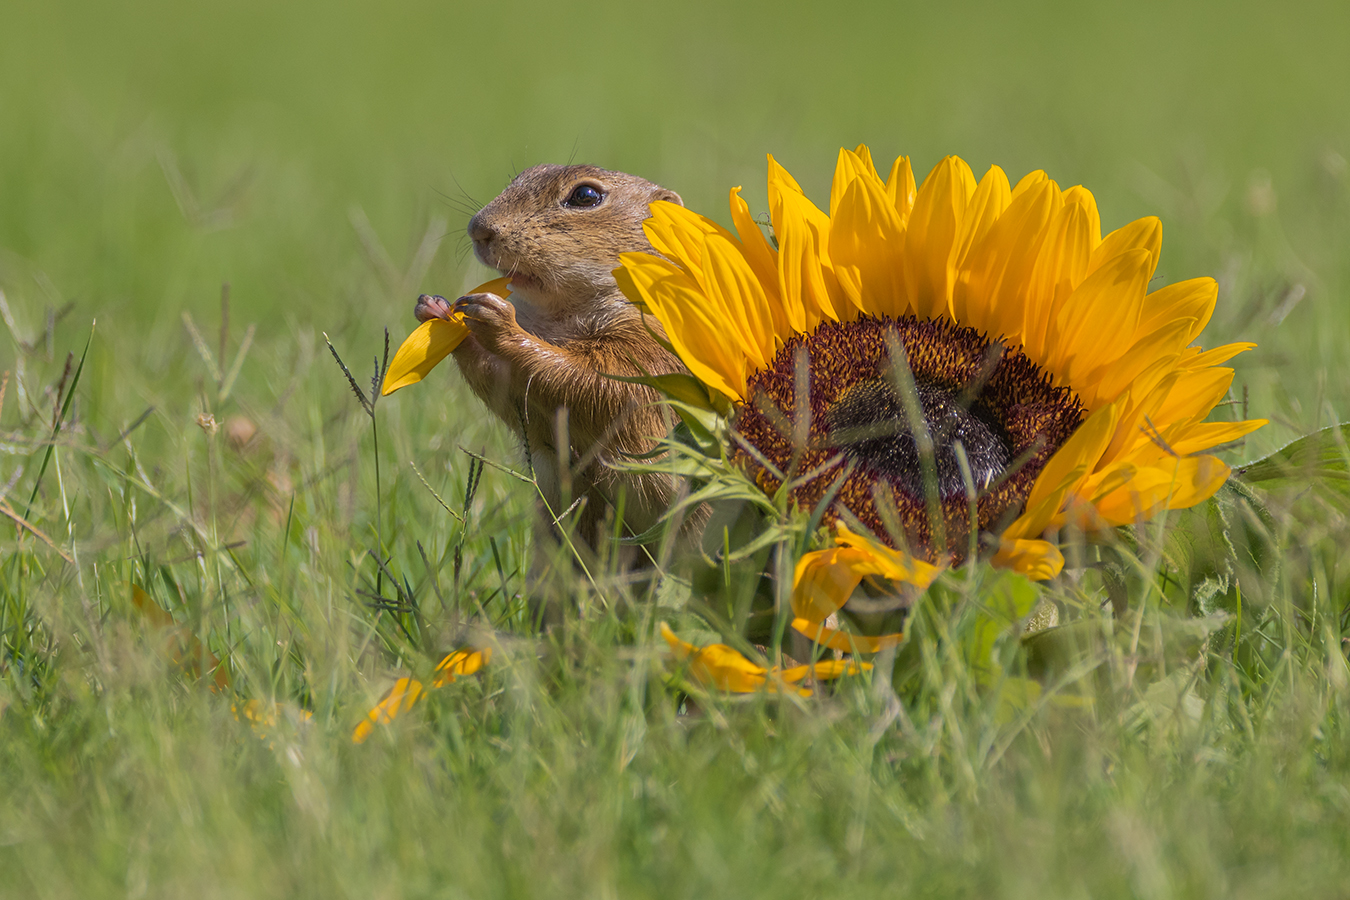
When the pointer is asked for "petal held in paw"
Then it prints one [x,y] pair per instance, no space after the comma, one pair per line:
[431,342]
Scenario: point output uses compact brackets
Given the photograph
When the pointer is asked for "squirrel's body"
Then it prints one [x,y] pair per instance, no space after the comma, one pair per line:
[539,359]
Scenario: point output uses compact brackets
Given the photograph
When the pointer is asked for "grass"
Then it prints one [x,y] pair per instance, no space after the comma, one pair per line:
[321,162]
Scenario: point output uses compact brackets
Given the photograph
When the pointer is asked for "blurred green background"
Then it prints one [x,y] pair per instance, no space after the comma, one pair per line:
[313,156]
[150,151]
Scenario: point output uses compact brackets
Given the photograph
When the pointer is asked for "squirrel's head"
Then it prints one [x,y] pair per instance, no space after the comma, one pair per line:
[559,230]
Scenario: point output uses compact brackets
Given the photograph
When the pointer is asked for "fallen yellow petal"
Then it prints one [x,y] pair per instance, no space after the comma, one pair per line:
[262,718]
[461,662]
[407,691]
[182,646]
[724,668]
[717,665]
[826,670]
[398,699]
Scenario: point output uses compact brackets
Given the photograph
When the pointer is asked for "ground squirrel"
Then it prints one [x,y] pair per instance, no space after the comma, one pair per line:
[539,359]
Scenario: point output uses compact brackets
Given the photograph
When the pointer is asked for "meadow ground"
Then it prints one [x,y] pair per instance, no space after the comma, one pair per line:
[321,160]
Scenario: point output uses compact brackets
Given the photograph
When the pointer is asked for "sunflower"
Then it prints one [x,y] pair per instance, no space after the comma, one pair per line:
[962,369]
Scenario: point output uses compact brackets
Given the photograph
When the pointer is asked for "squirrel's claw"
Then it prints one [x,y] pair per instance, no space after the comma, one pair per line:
[488,317]
[431,306]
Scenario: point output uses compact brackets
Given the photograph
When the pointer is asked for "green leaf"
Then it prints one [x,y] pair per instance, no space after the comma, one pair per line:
[1323,456]
[703,425]
[1015,697]
[1057,649]
[1004,604]
[1211,547]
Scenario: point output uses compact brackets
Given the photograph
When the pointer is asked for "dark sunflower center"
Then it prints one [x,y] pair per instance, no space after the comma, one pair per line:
[871,424]
[875,416]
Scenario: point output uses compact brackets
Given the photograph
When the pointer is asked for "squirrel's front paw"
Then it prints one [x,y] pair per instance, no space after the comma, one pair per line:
[490,318]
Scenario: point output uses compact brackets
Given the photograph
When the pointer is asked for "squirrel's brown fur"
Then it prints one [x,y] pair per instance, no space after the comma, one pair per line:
[539,359]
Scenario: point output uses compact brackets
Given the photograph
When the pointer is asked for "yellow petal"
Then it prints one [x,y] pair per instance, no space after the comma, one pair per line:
[1036,559]
[866,250]
[780,180]
[930,236]
[845,641]
[731,284]
[853,165]
[1064,472]
[826,670]
[398,699]
[1061,264]
[824,580]
[717,665]
[1138,410]
[1030,181]
[763,258]
[1216,356]
[900,188]
[1176,484]
[1193,395]
[696,331]
[1193,299]
[989,201]
[1141,234]
[1109,381]
[678,234]
[431,342]
[804,279]
[887,562]
[461,662]
[865,157]
[1081,197]
[1213,434]
[990,294]
[1105,306]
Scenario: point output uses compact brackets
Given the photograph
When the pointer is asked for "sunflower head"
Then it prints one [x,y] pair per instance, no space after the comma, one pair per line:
[956,366]
[922,430]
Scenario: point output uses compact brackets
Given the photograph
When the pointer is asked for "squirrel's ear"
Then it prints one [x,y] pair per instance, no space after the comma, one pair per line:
[668,196]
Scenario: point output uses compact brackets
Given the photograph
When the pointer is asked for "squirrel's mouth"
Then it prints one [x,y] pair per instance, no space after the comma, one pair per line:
[523,281]
[489,255]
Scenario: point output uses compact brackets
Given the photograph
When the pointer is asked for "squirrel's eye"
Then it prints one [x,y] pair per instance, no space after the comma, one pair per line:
[584,196]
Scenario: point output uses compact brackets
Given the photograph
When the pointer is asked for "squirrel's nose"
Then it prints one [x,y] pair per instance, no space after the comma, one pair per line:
[479,231]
